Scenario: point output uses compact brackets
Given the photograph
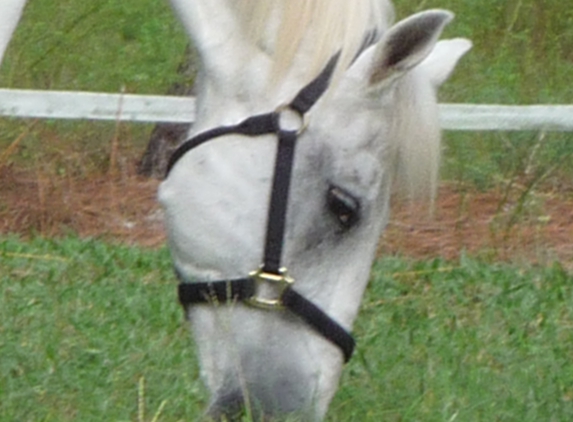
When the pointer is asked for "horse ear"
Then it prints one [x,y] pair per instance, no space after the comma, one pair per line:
[216,32]
[440,64]
[406,45]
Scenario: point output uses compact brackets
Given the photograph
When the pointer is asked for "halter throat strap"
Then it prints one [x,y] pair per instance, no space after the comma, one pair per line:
[271,276]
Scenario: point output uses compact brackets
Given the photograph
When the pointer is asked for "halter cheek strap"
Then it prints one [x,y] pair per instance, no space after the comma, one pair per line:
[269,287]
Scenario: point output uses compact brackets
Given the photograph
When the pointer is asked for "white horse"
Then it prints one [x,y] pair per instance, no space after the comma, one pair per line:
[363,119]
[375,126]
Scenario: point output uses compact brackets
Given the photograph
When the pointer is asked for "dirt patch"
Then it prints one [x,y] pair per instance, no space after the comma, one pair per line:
[124,209]
[485,224]
[116,208]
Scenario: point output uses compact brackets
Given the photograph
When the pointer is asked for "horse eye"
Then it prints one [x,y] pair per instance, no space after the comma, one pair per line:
[344,206]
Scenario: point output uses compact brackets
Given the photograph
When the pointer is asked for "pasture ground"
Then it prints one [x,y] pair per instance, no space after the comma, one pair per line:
[122,207]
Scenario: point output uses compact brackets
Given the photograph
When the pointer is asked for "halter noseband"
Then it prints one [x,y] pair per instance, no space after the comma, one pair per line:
[269,287]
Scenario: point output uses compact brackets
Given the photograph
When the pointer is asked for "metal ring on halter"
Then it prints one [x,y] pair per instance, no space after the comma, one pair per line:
[290,120]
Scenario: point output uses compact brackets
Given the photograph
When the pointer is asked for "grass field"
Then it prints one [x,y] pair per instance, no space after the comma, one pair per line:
[85,322]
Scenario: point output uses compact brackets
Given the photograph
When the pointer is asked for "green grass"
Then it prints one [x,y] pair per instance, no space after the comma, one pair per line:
[99,45]
[83,322]
[467,341]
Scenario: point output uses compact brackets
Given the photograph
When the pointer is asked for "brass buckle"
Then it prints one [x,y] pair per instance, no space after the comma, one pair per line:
[269,289]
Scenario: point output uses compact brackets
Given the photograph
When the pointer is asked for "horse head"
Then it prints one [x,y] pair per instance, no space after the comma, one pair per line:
[372,126]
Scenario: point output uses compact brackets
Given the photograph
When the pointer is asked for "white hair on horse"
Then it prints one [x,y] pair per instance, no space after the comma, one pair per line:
[416,136]
[318,29]
[285,27]
[416,132]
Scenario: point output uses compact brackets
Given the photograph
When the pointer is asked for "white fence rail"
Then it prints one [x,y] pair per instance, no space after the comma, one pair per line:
[476,117]
[95,106]
[150,108]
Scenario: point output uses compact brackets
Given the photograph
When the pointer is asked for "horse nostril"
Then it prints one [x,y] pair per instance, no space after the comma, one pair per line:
[262,403]
[228,406]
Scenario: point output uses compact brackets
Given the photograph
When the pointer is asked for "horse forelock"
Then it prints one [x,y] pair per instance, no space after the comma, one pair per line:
[307,33]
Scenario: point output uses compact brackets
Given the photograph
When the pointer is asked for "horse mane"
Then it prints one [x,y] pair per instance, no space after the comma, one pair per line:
[416,137]
[317,28]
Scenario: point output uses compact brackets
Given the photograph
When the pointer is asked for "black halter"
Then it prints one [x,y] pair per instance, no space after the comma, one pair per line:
[269,287]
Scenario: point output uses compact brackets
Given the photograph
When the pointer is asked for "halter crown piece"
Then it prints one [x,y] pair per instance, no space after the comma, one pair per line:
[270,287]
